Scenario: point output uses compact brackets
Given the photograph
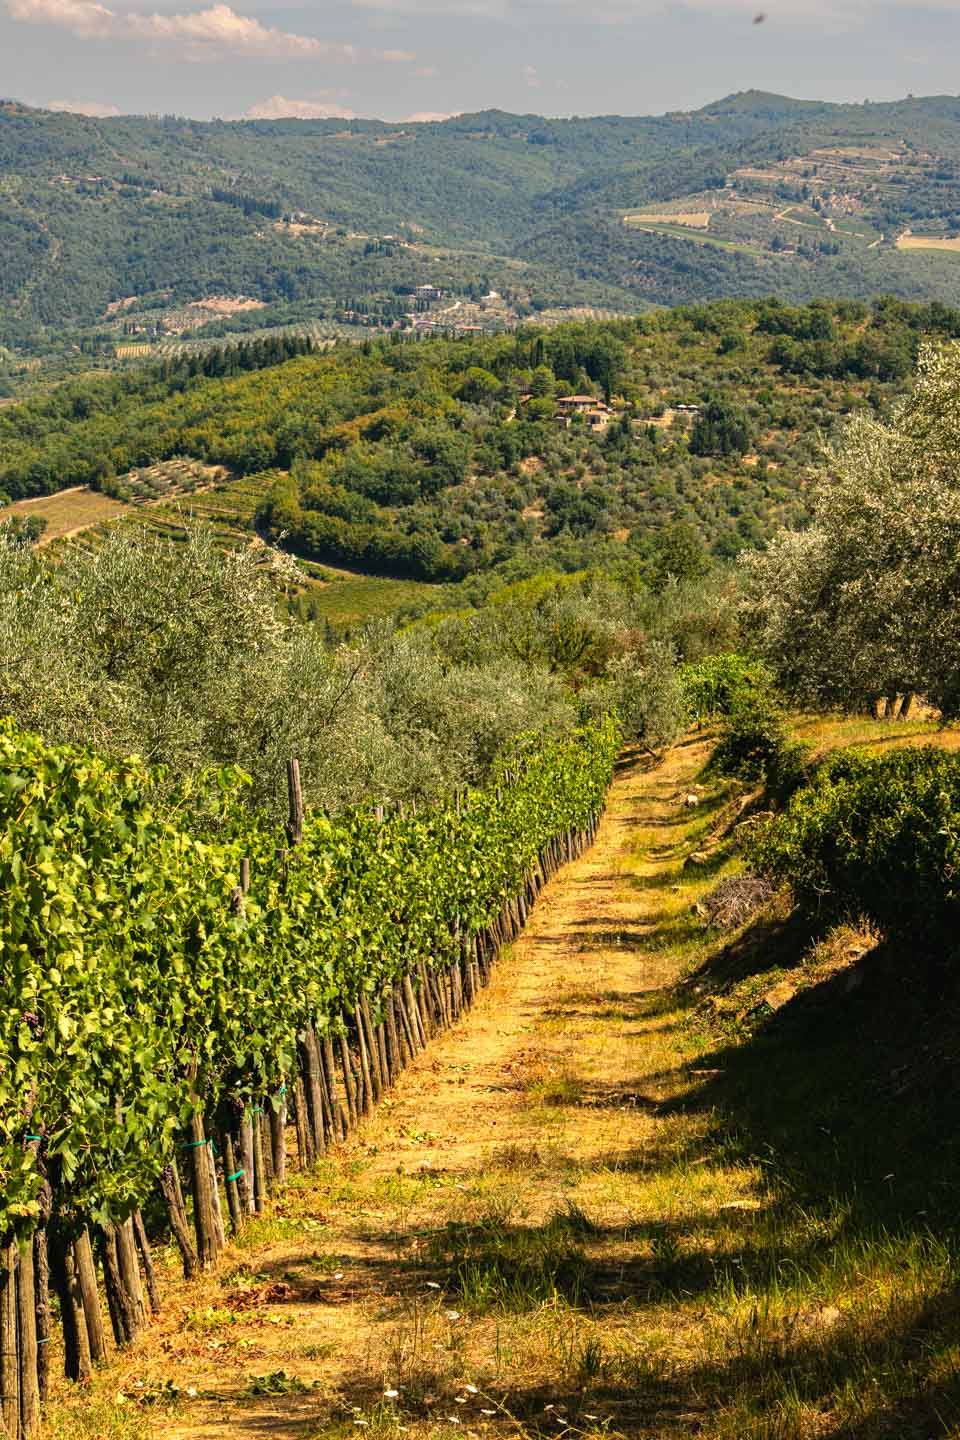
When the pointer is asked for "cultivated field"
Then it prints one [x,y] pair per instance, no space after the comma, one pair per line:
[169,478]
[647,1188]
[928,242]
[68,512]
[695,219]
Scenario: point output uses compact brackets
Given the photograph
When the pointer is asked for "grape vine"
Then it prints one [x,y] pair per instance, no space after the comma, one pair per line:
[139,988]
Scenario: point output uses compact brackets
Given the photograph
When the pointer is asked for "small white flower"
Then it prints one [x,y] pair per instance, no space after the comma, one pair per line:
[471,1389]
[391,1394]
[453,1314]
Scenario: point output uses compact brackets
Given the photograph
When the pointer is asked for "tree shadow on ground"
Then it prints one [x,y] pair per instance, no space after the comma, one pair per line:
[847,1099]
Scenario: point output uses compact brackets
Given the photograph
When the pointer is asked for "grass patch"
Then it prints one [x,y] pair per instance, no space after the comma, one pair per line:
[493,1266]
[563,1088]
[98,1418]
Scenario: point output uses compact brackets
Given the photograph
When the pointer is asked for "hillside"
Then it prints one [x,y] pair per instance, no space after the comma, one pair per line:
[114,230]
[541,1019]
[640,446]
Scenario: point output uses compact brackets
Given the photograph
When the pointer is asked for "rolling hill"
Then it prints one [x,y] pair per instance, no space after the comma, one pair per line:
[124,233]
[641,446]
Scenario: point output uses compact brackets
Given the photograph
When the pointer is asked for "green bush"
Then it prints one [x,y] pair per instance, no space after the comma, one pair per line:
[873,836]
[755,745]
[716,684]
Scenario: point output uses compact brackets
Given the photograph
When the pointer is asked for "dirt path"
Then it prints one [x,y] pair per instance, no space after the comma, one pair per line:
[519,1169]
[600,1209]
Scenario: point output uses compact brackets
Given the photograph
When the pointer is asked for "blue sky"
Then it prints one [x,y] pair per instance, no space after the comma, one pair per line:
[417,58]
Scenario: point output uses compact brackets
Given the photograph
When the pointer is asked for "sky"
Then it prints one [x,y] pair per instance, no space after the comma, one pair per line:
[426,59]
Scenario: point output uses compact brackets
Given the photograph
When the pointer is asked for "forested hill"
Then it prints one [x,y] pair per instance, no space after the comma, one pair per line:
[751,195]
[442,459]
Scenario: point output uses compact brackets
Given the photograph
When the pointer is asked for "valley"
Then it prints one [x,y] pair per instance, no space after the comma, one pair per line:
[131,238]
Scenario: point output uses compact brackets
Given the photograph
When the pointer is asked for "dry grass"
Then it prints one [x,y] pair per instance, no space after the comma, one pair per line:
[68,512]
[694,219]
[928,242]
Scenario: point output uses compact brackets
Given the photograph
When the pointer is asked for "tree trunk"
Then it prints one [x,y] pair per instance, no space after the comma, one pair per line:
[348,1081]
[369,1031]
[41,1297]
[310,1068]
[367,1101]
[146,1256]
[305,1148]
[259,1178]
[122,1305]
[330,1073]
[203,1222]
[177,1215]
[278,1140]
[428,1023]
[130,1272]
[215,1197]
[9,1348]
[413,1015]
[395,1057]
[231,1176]
[76,1346]
[246,1181]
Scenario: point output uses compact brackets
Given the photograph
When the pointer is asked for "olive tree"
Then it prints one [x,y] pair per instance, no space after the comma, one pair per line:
[865,604]
[180,652]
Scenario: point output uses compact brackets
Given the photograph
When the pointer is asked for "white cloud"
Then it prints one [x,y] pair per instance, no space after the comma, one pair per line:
[80,17]
[437,7]
[203,33]
[398,57]
[93,108]
[529,73]
[428,117]
[280,107]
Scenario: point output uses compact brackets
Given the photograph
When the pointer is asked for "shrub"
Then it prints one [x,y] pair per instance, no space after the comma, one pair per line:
[873,836]
[715,685]
[756,745]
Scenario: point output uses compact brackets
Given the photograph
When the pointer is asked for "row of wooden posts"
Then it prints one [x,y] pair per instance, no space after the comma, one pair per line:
[340,1077]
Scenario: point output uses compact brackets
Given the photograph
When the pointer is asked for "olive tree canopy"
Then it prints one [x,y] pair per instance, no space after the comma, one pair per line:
[865,604]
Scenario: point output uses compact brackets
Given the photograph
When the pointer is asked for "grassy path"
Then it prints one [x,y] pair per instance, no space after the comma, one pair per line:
[544,1231]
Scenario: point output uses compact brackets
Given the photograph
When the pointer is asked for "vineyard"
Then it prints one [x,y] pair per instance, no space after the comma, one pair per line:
[181,980]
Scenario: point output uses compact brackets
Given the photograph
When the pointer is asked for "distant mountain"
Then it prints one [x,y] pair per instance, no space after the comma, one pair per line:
[108,226]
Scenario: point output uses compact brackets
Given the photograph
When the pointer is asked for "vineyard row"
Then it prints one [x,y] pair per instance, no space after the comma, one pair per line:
[181,981]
